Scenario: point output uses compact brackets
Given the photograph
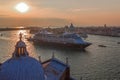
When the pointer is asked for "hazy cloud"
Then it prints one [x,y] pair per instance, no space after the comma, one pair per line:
[3,15]
[33,21]
[84,9]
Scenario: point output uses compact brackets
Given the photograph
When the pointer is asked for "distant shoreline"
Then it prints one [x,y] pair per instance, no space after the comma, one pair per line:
[10,29]
[103,31]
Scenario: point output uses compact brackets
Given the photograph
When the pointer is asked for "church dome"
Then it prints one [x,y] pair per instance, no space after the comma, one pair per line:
[20,44]
[21,66]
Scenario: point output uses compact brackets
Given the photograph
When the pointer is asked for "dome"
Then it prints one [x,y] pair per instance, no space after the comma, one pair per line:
[20,44]
[20,48]
[22,68]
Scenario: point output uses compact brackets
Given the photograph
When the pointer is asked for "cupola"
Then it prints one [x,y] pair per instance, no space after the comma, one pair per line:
[20,48]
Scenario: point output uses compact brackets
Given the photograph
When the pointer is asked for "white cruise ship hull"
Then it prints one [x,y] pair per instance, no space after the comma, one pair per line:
[61,44]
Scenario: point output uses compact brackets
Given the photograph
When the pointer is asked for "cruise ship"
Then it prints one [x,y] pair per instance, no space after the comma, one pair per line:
[65,40]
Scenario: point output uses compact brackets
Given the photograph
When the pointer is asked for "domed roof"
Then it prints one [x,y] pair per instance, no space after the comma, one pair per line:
[22,68]
[20,44]
[71,25]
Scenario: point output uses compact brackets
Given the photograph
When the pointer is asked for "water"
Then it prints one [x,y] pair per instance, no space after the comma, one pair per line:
[96,63]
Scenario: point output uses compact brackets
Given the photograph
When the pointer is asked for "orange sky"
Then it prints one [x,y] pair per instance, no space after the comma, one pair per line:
[60,13]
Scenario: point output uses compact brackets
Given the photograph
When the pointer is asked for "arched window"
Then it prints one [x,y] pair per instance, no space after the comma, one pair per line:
[22,52]
[19,51]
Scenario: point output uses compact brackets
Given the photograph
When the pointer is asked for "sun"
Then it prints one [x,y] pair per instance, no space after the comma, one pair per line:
[22,7]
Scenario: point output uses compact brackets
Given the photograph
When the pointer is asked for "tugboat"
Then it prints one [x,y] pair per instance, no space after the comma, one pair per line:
[118,42]
[102,46]
[23,67]
[65,40]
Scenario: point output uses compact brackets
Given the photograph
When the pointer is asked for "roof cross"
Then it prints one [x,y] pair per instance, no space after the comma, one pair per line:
[20,36]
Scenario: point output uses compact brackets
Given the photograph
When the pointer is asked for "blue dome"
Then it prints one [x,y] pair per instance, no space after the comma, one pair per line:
[20,44]
[22,68]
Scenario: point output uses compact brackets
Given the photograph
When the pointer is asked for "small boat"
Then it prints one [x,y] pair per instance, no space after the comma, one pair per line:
[1,34]
[118,42]
[102,46]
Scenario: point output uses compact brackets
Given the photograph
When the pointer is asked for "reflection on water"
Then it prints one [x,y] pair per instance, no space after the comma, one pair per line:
[96,63]
[24,32]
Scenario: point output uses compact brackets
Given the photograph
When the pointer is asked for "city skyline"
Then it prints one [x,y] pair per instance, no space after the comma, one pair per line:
[63,12]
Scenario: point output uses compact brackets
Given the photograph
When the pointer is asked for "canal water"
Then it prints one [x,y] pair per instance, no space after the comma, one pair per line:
[95,63]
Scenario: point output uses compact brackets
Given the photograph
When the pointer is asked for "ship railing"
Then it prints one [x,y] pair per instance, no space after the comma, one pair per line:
[60,40]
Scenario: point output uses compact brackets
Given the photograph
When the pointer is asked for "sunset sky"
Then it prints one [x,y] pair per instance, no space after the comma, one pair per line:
[60,13]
